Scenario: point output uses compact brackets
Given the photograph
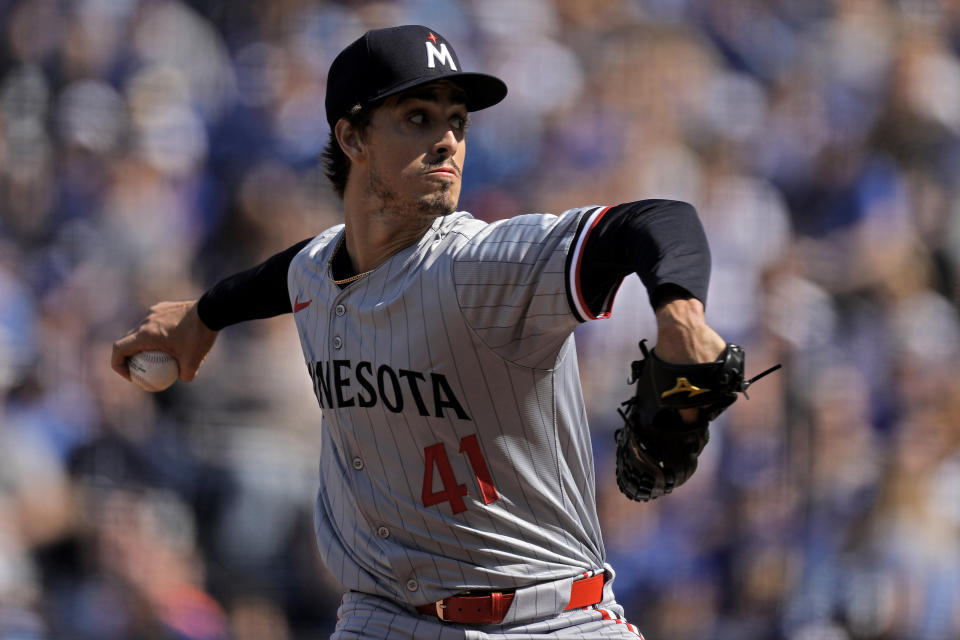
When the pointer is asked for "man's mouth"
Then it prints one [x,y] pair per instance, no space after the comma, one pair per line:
[449,170]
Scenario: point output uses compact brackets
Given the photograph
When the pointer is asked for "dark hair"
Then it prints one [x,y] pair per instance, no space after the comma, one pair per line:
[336,164]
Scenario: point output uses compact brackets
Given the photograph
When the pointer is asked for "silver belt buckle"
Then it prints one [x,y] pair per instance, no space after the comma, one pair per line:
[440,607]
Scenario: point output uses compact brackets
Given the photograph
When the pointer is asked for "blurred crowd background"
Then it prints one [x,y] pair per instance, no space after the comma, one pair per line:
[150,147]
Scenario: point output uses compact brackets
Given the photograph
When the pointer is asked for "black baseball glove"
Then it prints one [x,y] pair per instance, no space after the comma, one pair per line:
[656,450]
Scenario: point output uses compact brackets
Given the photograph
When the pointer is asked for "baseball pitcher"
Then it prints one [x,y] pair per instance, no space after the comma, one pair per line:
[456,495]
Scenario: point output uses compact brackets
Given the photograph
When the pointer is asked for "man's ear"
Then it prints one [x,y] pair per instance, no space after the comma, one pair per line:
[349,139]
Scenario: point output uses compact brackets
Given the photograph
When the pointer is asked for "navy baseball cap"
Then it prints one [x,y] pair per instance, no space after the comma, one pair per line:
[384,62]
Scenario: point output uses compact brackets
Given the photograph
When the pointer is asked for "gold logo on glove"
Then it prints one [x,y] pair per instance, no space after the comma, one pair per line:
[683,385]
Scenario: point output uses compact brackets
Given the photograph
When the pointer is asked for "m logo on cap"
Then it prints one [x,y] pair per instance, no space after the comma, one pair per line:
[441,54]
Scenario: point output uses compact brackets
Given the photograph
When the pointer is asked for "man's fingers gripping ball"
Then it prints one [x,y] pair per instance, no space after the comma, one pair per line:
[153,370]
[657,450]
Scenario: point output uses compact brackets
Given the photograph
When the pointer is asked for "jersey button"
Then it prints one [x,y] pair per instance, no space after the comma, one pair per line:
[337,342]
[383,532]
[358,463]
[340,309]
[412,585]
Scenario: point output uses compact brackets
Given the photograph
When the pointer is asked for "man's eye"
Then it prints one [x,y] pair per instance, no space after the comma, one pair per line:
[417,118]
[459,123]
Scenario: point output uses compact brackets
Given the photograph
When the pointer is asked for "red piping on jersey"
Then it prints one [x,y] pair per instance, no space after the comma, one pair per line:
[604,613]
[609,616]
[584,307]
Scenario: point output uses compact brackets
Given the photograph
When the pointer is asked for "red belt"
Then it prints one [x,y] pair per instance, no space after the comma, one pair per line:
[490,608]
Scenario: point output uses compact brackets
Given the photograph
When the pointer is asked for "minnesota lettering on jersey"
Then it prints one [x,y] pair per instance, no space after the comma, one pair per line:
[339,384]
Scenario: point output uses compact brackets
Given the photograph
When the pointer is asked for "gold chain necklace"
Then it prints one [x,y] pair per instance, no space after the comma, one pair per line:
[330,266]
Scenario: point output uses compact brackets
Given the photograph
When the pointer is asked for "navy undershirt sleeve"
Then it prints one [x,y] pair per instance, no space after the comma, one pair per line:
[662,241]
[260,292]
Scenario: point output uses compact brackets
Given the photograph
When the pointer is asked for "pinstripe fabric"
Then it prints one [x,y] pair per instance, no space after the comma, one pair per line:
[455,449]
[367,617]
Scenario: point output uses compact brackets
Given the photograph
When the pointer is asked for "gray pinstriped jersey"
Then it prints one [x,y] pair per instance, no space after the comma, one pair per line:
[455,448]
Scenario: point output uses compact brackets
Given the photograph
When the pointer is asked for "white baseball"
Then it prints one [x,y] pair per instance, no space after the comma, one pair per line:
[153,370]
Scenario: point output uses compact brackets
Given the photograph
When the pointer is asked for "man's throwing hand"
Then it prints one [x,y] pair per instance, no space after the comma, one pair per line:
[174,327]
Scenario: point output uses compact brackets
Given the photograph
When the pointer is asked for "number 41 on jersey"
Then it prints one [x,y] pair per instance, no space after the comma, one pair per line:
[435,457]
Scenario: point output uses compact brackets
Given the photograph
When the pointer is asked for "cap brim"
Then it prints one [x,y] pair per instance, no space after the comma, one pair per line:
[482,90]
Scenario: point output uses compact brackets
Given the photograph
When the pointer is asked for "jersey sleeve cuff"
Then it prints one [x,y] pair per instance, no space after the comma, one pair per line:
[578,303]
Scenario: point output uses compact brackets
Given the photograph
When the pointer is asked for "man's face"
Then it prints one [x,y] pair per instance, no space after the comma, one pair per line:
[416,149]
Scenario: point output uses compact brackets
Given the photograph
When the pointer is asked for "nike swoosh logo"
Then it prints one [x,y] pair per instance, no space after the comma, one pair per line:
[300,306]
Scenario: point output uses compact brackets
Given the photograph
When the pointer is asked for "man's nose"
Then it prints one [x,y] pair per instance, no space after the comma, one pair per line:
[447,144]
